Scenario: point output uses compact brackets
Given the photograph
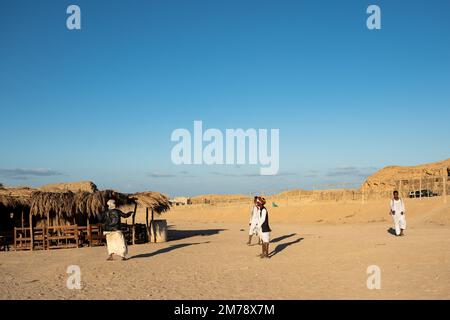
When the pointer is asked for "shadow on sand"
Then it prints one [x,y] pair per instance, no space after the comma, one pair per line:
[173,234]
[283,246]
[166,250]
[282,238]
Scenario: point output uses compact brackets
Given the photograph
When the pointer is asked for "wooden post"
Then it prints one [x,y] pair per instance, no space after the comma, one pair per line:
[47,234]
[146,224]
[88,228]
[15,240]
[153,226]
[21,219]
[76,237]
[420,188]
[31,231]
[133,226]
[444,181]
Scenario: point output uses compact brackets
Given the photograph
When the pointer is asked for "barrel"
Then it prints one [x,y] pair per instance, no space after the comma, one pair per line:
[158,231]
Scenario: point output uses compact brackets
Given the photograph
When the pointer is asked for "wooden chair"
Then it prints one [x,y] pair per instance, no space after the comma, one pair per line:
[22,239]
[39,238]
[62,237]
[95,235]
[3,244]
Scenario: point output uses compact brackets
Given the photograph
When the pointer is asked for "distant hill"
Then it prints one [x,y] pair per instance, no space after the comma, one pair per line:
[87,186]
[219,198]
[388,177]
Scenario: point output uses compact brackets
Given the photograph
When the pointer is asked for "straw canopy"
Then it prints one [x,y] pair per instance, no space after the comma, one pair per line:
[12,202]
[70,204]
[154,200]
[15,198]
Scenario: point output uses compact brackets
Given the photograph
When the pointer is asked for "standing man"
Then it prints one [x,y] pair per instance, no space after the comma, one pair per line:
[398,214]
[264,228]
[115,240]
[253,223]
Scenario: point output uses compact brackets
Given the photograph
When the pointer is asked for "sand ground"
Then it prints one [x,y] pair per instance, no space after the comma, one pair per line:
[319,251]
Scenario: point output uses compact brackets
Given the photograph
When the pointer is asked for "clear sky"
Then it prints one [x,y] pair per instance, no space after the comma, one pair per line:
[100,103]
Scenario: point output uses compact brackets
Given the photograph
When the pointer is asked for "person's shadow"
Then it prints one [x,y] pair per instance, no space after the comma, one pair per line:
[166,250]
[174,234]
[282,237]
[283,246]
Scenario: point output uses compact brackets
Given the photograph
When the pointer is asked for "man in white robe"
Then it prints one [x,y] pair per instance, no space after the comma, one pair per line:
[253,223]
[398,212]
[115,240]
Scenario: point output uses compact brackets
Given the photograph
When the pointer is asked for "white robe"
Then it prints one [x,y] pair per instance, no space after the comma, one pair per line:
[254,221]
[116,243]
[398,212]
[265,236]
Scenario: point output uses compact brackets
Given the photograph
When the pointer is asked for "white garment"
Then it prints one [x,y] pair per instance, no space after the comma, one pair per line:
[398,215]
[254,221]
[116,243]
[254,217]
[265,236]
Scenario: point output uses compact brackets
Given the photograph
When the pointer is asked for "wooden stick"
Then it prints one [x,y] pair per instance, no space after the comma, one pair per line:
[133,226]
[76,236]
[153,226]
[88,228]
[15,231]
[31,231]
[420,188]
[48,232]
[146,224]
[444,180]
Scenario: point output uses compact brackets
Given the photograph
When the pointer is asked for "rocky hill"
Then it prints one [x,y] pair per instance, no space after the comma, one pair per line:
[389,177]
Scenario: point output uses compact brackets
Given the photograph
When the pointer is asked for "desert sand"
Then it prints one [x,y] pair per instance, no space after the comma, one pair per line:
[320,250]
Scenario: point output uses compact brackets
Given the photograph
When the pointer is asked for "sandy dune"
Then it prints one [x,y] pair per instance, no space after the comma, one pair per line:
[320,251]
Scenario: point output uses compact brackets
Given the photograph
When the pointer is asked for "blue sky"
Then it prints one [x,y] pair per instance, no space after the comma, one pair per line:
[100,103]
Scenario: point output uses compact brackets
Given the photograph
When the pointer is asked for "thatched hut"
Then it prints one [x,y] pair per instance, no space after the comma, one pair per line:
[147,204]
[14,209]
[14,203]
[25,207]
[66,208]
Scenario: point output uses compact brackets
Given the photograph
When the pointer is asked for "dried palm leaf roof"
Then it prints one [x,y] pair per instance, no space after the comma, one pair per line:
[150,199]
[15,198]
[69,204]
[13,203]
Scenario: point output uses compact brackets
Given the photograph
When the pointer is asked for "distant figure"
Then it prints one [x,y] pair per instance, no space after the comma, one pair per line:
[264,228]
[398,214]
[115,240]
[253,223]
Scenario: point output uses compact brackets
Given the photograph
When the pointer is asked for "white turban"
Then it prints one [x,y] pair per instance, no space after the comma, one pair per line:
[111,204]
